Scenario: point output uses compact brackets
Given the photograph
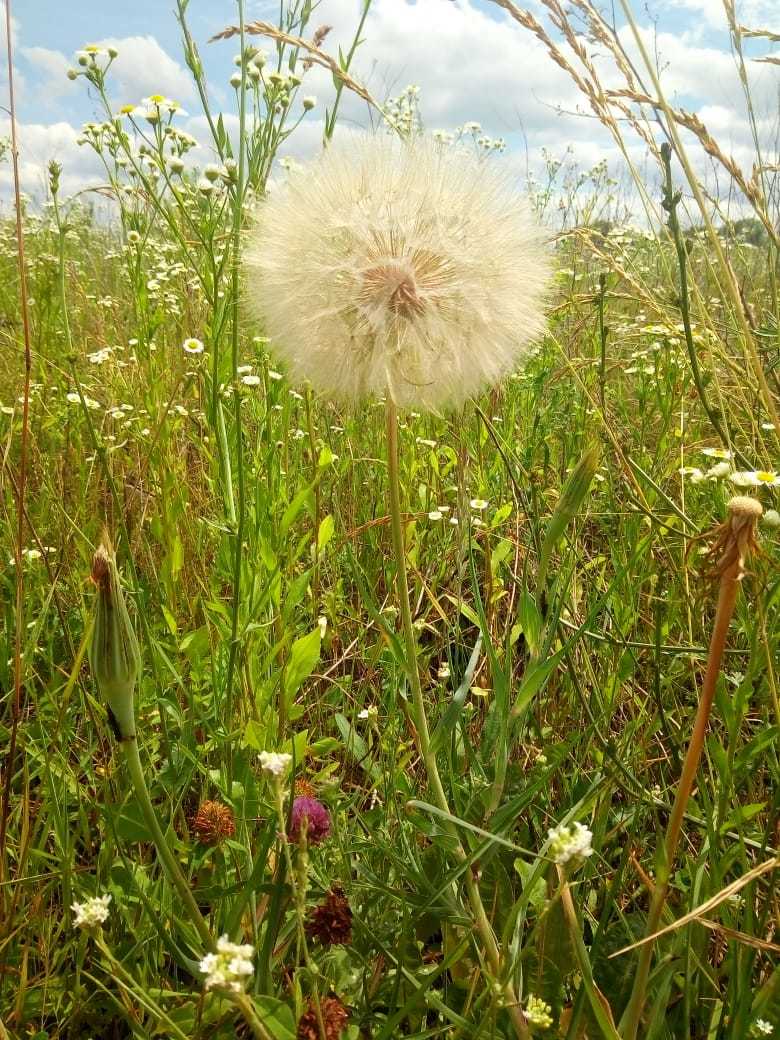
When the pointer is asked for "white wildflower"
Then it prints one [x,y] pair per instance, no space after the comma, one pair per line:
[274,764]
[720,469]
[92,913]
[435,514]
[771,518]
[478,503]
[717,453]
[761,1028]
[228,968]
[424,272]
[251,380]
[567,843]
[192,346]
[755,478]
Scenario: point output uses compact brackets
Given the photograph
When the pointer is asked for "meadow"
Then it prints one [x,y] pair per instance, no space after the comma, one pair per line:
[341,721]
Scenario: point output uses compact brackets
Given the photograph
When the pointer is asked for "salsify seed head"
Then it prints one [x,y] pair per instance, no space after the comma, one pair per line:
[398,268]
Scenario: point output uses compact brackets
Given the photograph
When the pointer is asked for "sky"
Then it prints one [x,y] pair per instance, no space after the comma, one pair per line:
[470,60]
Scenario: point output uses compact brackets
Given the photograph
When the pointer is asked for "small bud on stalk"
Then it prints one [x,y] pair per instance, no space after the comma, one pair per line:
[114,655]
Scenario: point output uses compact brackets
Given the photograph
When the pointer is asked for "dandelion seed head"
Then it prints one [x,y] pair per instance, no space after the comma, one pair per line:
[423,273]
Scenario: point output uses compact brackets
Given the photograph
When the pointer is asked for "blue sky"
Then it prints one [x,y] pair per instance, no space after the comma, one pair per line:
[471,62]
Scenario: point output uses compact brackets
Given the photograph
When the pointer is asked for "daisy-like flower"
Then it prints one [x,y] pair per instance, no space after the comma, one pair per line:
[693,473]
[423,272]
[478,503]
[192,346]
[720,469]
[92,913]
[538,1013]
[274,764]
[755,478]
[228,968]
[717,453]
[251,380]
[568,843]
[761,1028]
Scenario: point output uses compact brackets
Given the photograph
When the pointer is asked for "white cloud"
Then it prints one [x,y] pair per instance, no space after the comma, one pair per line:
[38,143]
[51,68]
[144,68]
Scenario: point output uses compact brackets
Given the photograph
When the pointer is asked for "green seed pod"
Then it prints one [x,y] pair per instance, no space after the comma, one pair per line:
[114,655]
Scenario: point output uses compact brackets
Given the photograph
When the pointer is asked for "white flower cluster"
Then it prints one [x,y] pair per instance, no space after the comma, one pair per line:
[229,967]
[92,913]
[567,843]
[538,1013]
[761,1028]
[274,764]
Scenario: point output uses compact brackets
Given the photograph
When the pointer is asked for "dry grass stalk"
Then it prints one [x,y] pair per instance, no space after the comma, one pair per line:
[315,55]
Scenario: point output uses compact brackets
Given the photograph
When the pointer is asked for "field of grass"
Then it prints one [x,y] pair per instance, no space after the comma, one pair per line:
[557,535]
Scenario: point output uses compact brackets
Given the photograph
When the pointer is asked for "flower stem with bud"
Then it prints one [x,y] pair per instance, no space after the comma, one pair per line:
[116,664]
[735,540]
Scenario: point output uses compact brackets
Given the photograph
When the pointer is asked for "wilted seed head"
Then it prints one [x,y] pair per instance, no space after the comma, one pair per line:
[334,1017]
[398,268]
[736,538]
[213,822]
[114,655]
[331,921]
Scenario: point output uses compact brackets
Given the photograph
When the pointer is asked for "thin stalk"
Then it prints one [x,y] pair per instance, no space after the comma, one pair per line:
[237,422]
[422,732]
[727,597]
[173,869]
[21,484]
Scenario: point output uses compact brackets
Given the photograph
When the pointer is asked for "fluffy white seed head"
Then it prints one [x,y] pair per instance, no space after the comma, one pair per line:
[406,269]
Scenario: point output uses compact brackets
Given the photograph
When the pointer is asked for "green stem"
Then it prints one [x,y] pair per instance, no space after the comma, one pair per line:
[422,734]
[174,871]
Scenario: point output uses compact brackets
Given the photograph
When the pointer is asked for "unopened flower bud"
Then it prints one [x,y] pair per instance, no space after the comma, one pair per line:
[309,103]
[114,655]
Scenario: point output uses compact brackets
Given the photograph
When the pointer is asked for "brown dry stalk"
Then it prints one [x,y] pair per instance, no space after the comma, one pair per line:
[734,541]
[21,483]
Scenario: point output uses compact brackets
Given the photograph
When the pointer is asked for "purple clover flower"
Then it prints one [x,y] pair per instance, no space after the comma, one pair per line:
[311,815]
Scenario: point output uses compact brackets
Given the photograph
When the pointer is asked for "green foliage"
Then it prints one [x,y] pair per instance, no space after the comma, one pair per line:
[562,633]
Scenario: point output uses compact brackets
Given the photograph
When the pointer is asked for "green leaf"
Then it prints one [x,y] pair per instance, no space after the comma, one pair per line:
[454,709]
[572,497]
[276,1017]
[304,656]
[291,513]
[325,533]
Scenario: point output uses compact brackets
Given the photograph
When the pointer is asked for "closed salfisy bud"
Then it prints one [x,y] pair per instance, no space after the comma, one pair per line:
[114,655]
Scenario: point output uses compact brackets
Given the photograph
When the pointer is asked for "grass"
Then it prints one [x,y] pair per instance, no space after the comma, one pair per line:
[562,626]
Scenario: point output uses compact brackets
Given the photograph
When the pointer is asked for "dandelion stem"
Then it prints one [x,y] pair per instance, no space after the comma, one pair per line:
[422,733]
[727,597]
